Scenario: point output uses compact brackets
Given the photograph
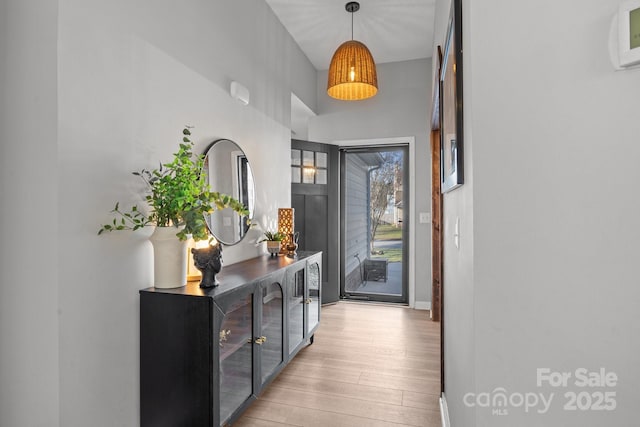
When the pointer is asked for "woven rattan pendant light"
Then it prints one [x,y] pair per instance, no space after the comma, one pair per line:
[352,72]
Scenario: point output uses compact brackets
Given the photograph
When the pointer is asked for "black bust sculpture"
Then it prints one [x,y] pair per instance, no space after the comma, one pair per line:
[209,261]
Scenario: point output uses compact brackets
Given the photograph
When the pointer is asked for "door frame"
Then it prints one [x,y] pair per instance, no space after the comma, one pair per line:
[436,221]
[436,229]
[411,142]
[406,222]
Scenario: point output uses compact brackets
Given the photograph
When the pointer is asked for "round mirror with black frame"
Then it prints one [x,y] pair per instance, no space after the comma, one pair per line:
[229,172]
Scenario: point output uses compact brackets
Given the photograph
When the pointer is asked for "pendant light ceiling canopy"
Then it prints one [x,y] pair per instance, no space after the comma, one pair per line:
[352,72]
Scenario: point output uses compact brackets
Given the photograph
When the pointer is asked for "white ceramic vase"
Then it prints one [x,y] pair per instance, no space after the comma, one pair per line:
[169,258]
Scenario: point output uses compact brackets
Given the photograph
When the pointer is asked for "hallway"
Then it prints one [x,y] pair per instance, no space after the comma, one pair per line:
[370,366]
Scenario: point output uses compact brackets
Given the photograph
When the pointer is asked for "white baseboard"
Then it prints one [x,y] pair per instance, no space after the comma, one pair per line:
[444,411]
[423,305]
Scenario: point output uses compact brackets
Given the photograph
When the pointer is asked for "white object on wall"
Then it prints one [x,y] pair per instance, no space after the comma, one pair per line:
[456,233]
[240,93]
[425,217]
[621,53]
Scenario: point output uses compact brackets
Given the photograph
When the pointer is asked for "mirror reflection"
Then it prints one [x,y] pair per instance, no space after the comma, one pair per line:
[229,172]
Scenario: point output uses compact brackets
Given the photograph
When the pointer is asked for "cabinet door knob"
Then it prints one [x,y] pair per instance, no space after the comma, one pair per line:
[261,340]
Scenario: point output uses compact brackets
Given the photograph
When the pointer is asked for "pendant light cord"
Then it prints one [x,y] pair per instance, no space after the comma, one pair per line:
[351,25]
[352,7]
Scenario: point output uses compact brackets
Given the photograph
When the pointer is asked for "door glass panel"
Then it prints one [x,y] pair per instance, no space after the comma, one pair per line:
[375,217]
[314,296]
[271,349]
[235,341]
[296,309]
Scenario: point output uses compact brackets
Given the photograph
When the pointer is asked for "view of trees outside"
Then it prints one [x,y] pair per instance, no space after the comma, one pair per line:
[386,201]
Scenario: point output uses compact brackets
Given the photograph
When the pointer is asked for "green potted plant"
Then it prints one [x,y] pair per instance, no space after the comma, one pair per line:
[178,196]
[274,240]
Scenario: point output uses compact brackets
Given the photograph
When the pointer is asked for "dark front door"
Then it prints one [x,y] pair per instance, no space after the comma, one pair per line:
[314,196]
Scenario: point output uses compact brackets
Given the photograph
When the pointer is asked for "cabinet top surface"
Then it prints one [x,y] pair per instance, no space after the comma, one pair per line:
[234,275]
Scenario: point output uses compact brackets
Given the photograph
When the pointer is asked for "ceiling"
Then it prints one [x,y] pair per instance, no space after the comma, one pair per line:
[393,30]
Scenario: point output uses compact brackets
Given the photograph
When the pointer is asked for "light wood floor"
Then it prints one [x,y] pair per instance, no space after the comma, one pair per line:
[370,366]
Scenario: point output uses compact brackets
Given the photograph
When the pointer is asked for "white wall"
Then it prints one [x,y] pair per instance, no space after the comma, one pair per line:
[458,286]
[124,80]
[28,217]
[548,278]
[398,110]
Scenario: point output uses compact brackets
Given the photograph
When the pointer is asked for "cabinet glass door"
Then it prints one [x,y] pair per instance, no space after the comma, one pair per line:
[296,309]
[313,299]
[236,359]
[271,339]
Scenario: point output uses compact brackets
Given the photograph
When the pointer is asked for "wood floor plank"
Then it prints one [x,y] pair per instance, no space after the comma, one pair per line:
[268,411]
[256,422]
[389,370]
[310,370]
[314,418]
[417,385]
[403,415]
[338,388]
[420,400]
[430,354]
[321,355]
[371,365]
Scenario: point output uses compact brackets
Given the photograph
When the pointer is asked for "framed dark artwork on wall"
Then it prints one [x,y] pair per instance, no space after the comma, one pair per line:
[451,124]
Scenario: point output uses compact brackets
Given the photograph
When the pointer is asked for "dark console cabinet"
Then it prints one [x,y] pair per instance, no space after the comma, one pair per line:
[205,355]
